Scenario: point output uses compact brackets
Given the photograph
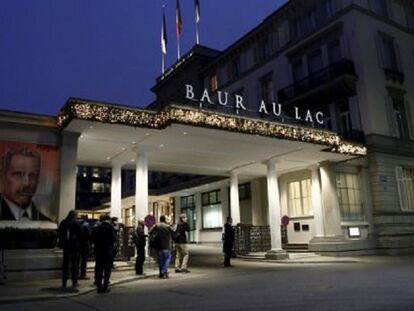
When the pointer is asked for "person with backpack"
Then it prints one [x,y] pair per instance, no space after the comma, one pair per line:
[181,249]
[69,233]
[160,240]
[139,240]
[104,238]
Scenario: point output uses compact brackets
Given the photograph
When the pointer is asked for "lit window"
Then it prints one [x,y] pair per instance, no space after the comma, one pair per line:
[213,83]
[300,198]
[349,196]
[405,182]
[212,210]
[98,187]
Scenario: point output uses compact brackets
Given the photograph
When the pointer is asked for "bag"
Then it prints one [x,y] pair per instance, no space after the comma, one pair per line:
[154,240]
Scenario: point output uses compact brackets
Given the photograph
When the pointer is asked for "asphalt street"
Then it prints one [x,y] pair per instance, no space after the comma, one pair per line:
[378,283]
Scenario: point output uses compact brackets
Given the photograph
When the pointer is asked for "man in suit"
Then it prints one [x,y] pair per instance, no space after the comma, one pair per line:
[228,241]
[103,238]
[20,171]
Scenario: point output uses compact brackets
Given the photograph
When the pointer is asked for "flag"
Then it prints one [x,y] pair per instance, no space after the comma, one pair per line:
[197,9]
[164,34]
[178,20]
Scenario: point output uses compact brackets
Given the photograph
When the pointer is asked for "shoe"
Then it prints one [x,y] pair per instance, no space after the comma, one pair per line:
[186,271]
[165,276]
[75,285]
[142,274]
[177,270]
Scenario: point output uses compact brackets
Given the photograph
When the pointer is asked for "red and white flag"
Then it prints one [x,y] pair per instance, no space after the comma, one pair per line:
[197,9]
[178,19]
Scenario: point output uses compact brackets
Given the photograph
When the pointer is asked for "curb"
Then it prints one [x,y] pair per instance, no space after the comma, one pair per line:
[245,258]
[81,292]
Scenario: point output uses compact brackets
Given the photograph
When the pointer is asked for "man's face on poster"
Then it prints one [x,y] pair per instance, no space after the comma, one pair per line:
[20,179]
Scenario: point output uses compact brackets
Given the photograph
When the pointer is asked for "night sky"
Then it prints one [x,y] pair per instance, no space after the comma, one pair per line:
[106,50]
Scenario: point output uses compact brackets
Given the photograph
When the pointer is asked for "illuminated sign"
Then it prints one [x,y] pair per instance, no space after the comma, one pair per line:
[274,108]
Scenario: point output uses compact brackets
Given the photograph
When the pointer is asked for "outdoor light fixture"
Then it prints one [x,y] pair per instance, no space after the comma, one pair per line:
[354,232]
[83,110]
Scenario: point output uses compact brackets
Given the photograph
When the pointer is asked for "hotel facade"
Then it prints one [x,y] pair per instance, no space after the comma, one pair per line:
[305,123]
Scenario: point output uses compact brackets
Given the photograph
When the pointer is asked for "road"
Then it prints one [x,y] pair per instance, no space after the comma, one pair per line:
[378,284]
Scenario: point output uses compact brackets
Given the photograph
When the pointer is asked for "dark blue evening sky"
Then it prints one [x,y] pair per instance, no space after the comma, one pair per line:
[103,49]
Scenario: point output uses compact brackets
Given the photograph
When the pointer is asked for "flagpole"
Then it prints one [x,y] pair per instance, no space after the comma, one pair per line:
[178,48]
[178,25]
[163,63]
[197,33]
[163,40]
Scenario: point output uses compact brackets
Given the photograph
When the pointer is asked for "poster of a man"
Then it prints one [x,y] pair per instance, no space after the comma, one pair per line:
[20,172]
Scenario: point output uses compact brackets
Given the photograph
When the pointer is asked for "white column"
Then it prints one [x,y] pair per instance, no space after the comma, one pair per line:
[317,203]
[234,198]
[141,186]
[273,199]
[68,159]
[116,191]
[330,202]
[199,217]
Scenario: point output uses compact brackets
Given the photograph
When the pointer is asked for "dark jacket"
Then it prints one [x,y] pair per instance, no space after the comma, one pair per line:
[180,236]
[139,237]
[6,214]
[86,234]
[103,237]
[228,238]
[164,232]
[69,234]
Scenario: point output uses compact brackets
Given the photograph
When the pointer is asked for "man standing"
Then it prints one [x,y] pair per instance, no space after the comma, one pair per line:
[103,238]
[84,247]
[115,225]
[228,241]
[69,233]
[139,240]
[181,249]
[20,172]
[163,233]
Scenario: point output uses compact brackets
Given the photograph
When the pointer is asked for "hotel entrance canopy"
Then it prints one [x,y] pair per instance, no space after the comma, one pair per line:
[190,140]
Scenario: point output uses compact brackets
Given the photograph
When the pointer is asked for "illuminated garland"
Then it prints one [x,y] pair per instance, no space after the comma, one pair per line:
[77,109]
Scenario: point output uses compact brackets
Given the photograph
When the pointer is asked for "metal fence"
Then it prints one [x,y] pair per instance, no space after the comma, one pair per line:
[250,239]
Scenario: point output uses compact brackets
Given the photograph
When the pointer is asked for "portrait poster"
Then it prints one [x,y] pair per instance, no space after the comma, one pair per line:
[29,178]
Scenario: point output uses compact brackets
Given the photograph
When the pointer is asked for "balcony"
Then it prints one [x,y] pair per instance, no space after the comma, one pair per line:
[335,80]
[393,75]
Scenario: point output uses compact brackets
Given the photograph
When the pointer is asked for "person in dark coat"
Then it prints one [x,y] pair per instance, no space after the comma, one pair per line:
[228,241]
[84,247]
[139,239]
[103,238]
[163,233]
[115,225]
[181,249]
[69,233]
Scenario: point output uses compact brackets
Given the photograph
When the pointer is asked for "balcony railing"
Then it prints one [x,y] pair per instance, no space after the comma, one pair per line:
[316,79]
[394,75]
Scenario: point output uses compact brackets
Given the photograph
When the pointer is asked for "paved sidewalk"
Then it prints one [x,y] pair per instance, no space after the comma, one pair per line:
[51,289]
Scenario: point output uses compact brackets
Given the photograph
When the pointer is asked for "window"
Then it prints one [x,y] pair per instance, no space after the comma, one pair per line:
[213,83]
[297,70]
[388,52]
[99,187]
[310,20]
[234,68]
[262,50]
[315,61]
[345,118]
[300,198]
[212,210]
[266,89]
[379,7]
[349,196]
[297,28]
[334,52]
[244,192]
[405,182]
[96,172]
[410,17]
[188,208]
[400,116]
[326,10]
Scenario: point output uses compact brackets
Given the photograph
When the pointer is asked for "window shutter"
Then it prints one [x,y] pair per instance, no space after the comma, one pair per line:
[398,56]
[380,54]
[401,189]
[392,124]
[409,119]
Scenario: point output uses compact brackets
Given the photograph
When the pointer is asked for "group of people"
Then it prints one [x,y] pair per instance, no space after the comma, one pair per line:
[75,236]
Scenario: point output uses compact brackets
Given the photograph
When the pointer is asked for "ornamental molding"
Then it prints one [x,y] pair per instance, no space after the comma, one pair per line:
[112,114]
